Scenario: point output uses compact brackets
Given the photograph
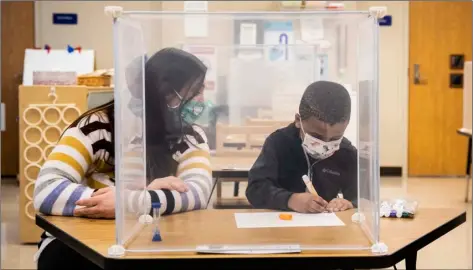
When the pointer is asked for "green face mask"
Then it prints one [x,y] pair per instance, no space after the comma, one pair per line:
[196,112]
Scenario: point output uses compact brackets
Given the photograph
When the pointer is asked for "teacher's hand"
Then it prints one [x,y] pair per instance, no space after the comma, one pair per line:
[170,183]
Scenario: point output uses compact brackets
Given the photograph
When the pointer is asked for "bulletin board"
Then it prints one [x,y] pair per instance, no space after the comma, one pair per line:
[44,113]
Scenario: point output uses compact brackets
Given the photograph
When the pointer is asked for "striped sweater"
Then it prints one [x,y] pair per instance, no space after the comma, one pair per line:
[76,167]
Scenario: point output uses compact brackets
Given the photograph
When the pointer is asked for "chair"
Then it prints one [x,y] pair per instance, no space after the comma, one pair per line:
[238,142]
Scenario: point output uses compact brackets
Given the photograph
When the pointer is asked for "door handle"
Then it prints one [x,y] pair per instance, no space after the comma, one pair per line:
[2,117]
[417,77]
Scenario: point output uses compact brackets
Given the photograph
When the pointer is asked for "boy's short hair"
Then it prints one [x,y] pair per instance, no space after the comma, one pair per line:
[329,102]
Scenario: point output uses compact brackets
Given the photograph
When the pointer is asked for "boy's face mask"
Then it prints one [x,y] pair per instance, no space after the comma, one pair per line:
[317,148]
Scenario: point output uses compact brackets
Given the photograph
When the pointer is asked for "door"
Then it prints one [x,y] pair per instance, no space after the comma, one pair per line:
[437,30]
[17,35]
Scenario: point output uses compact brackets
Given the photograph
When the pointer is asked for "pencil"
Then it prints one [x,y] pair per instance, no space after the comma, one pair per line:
[309,185]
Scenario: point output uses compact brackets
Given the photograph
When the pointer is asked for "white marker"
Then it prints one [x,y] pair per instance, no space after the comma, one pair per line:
[309,185]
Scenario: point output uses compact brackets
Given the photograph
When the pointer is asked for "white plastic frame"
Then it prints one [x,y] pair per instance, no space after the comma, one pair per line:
[45,138]
[25,171]
[25,132]
[32,108]
[53,108]
[25,156]
[67,108]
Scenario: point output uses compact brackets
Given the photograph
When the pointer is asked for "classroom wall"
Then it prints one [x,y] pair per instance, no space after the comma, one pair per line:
[94,28]
[94,31]
[393,86]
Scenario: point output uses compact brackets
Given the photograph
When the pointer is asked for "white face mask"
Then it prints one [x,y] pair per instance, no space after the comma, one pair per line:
[319,149]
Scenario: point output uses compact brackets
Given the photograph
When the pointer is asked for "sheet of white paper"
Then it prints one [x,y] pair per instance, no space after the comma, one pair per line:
[272,220]
[56,60]
[247,34]
[196,25]
[248,249]
[196,5]
[312,29]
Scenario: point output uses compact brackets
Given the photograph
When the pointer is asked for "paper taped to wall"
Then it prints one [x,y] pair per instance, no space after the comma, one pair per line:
[57,61]
[272,220]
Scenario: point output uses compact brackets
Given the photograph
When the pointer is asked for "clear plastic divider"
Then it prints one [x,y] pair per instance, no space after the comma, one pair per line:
[259,65]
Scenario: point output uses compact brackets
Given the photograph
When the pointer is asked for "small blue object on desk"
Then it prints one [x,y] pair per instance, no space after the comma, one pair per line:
[65,18]
[156,216]
[157,237]
[386,21]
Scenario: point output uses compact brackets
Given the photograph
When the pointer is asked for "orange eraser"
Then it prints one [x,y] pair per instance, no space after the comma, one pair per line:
[285,216]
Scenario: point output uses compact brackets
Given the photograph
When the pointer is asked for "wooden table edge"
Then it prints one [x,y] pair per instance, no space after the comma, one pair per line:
[428,238]
[464,132]
[71,241]
[286,260]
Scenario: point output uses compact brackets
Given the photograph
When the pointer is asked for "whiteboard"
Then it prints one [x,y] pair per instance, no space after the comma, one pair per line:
[57,60]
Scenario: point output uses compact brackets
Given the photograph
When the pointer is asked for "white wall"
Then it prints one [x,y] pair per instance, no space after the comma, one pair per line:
[393,86]
[94,28]
[94,31]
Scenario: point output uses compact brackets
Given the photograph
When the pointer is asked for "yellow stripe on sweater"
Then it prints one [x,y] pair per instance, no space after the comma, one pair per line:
[78,146]
[65,158]
[196,165]
[195,153]
[92,183]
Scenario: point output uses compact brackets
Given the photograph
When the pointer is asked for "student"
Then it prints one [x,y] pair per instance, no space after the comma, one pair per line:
[314,146]
[77,178]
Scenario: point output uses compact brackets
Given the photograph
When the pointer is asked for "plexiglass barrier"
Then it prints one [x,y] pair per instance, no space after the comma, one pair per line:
[258,67]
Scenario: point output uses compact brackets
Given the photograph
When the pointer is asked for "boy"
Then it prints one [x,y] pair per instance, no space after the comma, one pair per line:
[314,146]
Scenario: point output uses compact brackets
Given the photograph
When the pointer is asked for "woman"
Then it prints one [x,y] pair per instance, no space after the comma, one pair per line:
[77,179]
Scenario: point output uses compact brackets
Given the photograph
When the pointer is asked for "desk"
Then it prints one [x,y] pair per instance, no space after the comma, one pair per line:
[404,237]
[230,169]
[467,132]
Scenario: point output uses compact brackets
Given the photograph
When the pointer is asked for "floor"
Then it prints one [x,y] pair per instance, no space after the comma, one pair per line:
[453,251]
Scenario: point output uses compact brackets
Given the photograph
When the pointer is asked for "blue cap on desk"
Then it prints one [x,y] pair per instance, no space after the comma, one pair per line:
[156,205]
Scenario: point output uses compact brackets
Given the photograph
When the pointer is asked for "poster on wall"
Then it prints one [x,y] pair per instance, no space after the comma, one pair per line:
[208,55]
[56,61]
[312,29]
[196,25]
[323,64]
[278,36]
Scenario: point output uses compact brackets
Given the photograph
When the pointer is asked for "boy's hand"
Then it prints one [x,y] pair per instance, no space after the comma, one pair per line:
[306,203]
[339,204]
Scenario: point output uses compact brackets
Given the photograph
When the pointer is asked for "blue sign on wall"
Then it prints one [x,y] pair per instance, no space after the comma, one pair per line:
[65,18]
[386,21]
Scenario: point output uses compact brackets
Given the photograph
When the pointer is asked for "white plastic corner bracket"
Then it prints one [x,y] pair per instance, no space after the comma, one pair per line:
[358,217]
[116,251]
[378,12]
[145,219]
[379,248]
[114,11]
